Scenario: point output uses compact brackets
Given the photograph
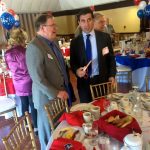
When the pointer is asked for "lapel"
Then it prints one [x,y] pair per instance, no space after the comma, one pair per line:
[44,46]
[82,50]
[99,46]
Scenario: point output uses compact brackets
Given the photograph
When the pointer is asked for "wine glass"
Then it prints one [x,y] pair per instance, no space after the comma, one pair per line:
[106,105]
[93,133]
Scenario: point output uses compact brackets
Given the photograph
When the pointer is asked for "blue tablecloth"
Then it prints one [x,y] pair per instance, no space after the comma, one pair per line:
[140,68]
[134,63]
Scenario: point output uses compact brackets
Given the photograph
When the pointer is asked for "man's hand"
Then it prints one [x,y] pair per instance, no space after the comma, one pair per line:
[63,95]
[81,72]
[112,79]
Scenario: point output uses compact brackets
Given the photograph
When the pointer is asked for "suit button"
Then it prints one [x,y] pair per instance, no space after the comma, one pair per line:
[61,85]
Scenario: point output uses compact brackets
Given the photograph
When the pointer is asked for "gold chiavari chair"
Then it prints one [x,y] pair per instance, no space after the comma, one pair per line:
[103,89]
[55,109]
[147,83]
[21,137]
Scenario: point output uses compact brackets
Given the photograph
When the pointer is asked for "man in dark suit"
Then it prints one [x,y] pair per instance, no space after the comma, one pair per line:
[103,66]
[47,69]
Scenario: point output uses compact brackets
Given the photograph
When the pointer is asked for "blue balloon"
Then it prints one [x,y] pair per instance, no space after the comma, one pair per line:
[7,20]
[17,24]
[147,11]
[140,14]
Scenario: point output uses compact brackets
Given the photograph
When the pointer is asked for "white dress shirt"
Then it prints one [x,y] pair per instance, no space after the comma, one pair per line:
[95,68]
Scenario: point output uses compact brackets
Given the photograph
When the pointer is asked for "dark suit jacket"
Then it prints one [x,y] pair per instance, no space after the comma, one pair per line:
[107,64]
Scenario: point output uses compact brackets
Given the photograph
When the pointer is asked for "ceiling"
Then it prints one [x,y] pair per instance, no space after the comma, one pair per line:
[34,6]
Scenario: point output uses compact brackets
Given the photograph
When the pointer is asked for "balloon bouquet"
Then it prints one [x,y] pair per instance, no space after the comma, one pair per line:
[8,17]
[144,9]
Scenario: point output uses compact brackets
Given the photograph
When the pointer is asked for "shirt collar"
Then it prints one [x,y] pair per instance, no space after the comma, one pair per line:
[92,33]
[46,40]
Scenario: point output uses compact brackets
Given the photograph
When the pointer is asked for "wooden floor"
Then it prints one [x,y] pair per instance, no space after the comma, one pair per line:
[6,125]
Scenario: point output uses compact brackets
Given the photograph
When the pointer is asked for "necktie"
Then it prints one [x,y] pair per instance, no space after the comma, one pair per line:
[63,68]
[61,61]
[88,52]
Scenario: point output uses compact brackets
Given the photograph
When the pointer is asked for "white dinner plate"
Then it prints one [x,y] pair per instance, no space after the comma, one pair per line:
[145,97]
[127,109]
[78,137]
[82,106]
[116,96]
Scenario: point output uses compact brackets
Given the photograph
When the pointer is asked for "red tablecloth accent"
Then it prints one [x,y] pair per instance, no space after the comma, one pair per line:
[100,103]
[60,144]
[9,86]
[114,131]
[66,52]
[73,118]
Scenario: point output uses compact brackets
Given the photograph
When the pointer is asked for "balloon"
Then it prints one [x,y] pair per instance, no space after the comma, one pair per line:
[16,17]
[92,8]
[11,11]
[136,2]
[7,20]
[142,5]
[140,13]
[147,11]
[17,23]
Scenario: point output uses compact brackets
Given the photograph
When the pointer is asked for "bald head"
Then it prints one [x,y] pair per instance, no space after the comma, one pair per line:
[99,22]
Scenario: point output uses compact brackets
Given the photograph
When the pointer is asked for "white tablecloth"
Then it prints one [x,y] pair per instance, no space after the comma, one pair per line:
[145,126]
[18,106]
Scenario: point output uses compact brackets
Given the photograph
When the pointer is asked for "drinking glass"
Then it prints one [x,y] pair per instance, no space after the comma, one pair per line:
[94,134]
[104,142]
[106,105]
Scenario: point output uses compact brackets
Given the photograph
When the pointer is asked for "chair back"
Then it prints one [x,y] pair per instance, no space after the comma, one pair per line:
[55,109]
[147,83]
[21,137]
[103,89]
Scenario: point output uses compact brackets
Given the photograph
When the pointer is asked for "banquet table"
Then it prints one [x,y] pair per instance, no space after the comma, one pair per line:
[140,68]
[113,144]
[11,94]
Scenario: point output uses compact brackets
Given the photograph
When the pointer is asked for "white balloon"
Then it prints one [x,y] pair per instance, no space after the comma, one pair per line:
[142,5]
[3,8]
[16,17]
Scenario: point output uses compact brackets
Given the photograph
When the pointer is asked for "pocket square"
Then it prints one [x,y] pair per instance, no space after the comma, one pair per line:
[49,56]
[105,51]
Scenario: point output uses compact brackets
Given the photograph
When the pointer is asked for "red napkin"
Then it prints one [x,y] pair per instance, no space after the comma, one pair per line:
[118,54]
[100,102]
[114,131]
[135,55]
[74,118]
[59,144]
[9,86]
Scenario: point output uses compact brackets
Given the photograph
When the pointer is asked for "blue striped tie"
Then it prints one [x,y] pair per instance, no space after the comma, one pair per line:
[89,53]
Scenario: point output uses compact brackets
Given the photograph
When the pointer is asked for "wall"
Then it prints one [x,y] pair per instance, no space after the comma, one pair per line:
[124,19]
[66,24]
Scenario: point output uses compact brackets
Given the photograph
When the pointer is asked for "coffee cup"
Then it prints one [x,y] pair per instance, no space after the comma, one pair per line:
[87,116]
[124,102]
[87,127]
[95,110]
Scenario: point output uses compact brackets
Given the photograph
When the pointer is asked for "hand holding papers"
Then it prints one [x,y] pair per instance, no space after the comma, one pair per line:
[85,67]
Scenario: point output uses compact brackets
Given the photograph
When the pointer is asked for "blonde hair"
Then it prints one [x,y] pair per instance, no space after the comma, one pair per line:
[17,37]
